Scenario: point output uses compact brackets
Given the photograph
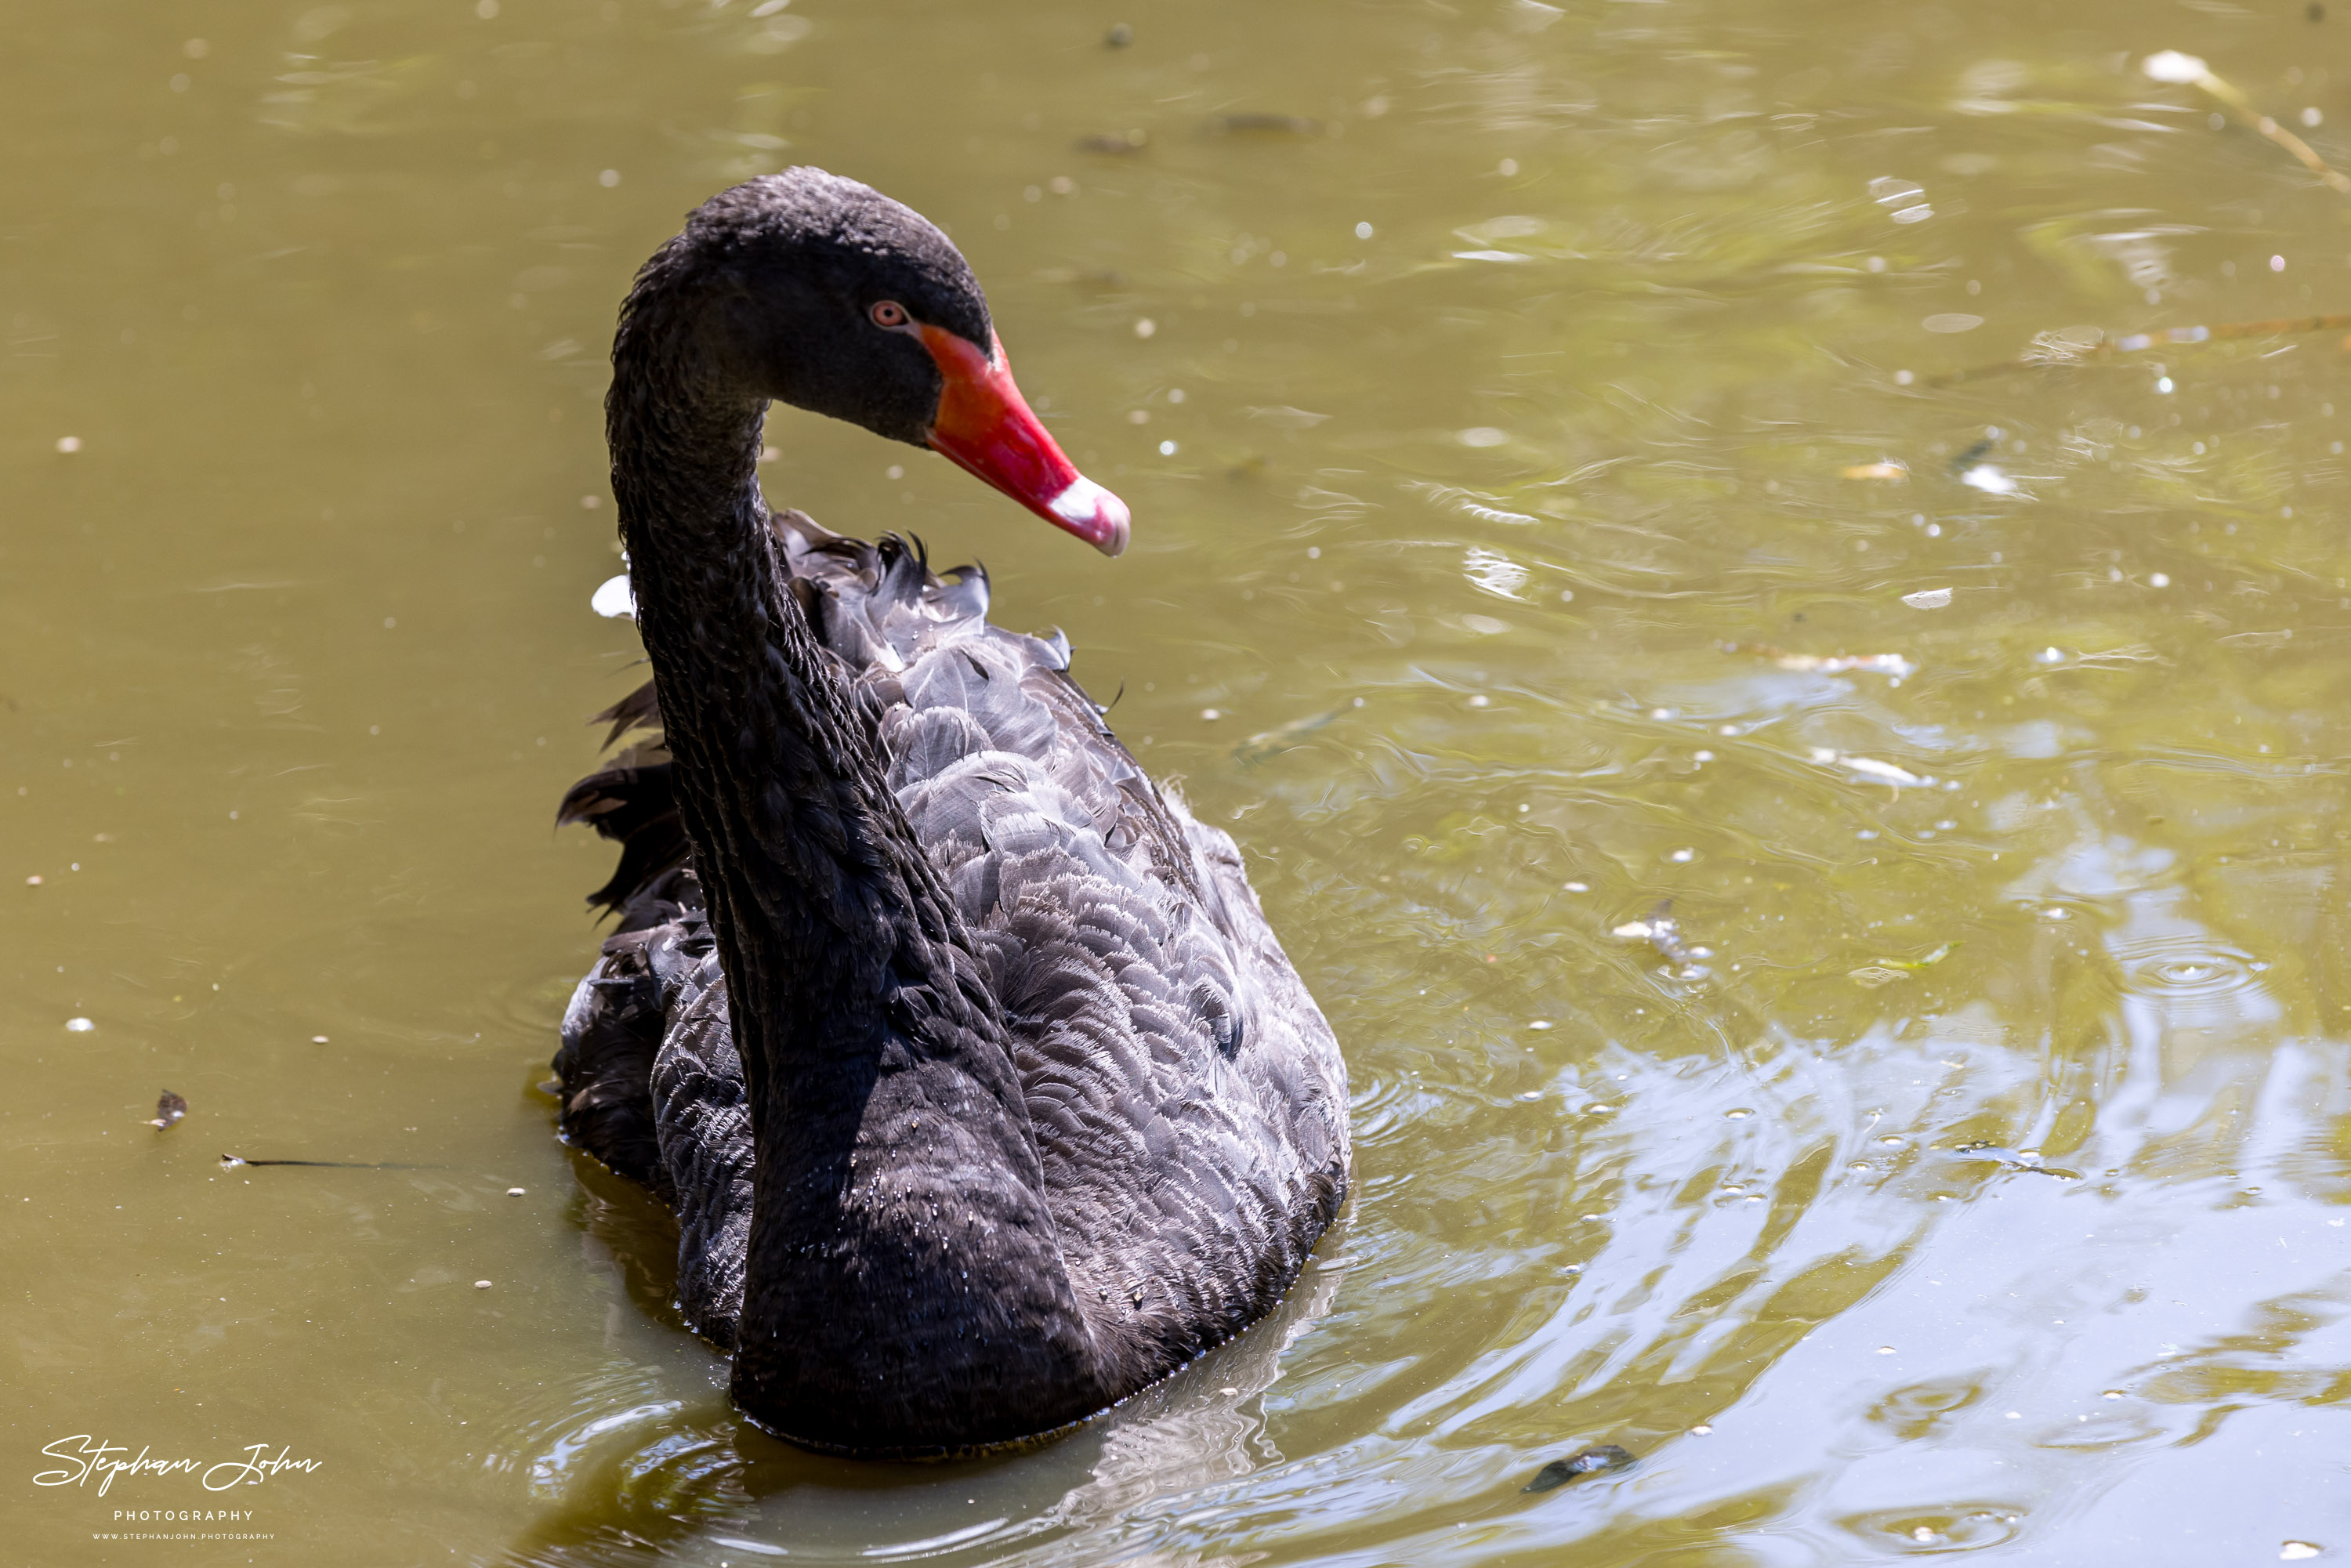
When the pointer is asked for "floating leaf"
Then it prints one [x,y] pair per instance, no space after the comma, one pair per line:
[1868,767]
[1937,957]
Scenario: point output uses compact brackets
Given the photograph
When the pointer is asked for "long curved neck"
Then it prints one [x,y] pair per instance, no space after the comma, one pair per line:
[904,1289]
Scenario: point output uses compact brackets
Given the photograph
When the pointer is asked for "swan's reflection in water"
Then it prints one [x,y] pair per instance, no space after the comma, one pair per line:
[640,1481]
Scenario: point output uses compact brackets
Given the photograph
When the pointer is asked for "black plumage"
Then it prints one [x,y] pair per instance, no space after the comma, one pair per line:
[1020,1105]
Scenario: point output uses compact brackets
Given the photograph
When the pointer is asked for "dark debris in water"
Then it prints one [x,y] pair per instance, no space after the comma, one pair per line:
[1094,277]
[169,1109]
[1975,454]
[1664,933]
[1269,744]
[1605,1459]
[1268,125]
[2028,1160]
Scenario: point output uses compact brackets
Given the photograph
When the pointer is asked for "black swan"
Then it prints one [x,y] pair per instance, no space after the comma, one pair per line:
[982,1091]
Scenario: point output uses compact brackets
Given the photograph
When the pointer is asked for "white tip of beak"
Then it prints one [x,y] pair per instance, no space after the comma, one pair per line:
[1093,513]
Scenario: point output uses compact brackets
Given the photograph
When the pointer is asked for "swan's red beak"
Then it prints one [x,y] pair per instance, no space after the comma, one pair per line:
[985,426]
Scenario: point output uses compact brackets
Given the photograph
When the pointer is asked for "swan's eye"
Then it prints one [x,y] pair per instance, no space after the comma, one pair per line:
[888,313]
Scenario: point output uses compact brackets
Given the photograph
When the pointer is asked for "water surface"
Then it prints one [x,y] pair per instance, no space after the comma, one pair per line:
[1828,875]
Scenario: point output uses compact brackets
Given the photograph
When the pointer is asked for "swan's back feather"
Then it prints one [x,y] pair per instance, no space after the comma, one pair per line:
[1187,1098]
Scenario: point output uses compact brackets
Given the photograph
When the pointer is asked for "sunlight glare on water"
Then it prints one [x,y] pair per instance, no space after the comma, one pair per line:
[1774,644]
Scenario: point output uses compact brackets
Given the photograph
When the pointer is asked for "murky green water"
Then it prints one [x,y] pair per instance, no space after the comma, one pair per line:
[1488,433]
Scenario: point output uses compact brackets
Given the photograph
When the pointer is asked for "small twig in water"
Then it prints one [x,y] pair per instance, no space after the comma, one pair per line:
[2041,357]
[230,1162]
[2173,66]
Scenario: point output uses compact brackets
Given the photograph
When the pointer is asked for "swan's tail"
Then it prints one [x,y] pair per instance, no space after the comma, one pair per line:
[632,802]
[615,1024]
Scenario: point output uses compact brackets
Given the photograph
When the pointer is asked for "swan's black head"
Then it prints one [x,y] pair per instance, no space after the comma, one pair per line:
[825,294]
